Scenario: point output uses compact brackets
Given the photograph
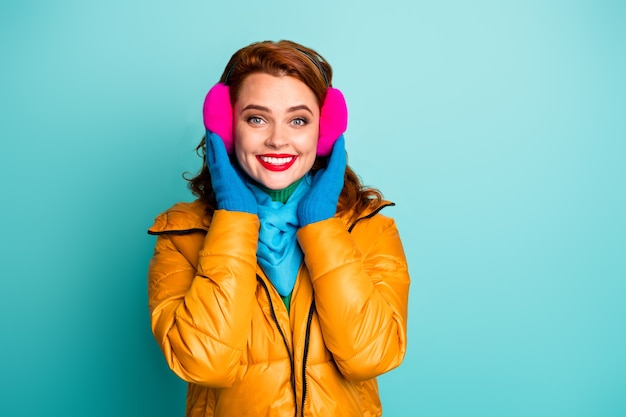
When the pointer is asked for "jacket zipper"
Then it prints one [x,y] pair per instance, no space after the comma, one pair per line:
[306,354]
[280,330]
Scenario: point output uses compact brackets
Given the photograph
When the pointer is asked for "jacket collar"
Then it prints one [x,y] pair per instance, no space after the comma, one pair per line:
[185,218]
[181,218]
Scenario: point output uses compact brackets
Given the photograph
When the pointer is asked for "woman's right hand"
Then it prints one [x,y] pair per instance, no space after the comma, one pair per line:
[230,191]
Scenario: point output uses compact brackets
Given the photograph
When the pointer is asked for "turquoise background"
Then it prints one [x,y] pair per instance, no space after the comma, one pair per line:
[497,127]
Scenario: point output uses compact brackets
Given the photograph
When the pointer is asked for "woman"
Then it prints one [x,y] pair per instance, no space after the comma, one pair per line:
[281,290]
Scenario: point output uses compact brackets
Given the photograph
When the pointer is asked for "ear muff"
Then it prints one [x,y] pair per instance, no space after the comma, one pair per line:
[333,121]
[218,117]
[218,114]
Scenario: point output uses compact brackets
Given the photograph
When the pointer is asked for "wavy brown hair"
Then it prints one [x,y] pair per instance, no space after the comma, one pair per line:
[283,58]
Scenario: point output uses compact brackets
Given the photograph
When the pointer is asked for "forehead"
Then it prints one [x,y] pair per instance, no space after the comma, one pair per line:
[278,90]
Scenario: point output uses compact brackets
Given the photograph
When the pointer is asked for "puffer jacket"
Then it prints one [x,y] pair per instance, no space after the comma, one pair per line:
[225,330]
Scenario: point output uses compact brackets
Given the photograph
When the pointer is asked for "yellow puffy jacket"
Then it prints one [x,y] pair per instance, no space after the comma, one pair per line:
[224,328]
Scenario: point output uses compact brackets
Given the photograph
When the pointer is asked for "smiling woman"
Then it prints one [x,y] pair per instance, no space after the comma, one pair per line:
[276,142]
[282,290]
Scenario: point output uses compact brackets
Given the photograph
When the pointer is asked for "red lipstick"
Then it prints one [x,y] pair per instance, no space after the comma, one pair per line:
[276,162]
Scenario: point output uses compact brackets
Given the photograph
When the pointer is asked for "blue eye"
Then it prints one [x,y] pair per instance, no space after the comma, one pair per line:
[255,120]
[299,121]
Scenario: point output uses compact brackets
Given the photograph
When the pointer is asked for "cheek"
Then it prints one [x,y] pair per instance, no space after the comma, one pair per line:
[237,135]
[308,141]
[313,147]
[241,154]
[310,154]
[241,142]
[241,161]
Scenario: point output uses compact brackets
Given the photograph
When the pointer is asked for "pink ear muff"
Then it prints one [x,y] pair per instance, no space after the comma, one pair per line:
[218,117]
[218,114]
[333,121]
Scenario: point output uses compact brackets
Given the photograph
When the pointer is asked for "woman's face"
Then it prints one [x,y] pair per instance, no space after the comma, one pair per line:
[276,129]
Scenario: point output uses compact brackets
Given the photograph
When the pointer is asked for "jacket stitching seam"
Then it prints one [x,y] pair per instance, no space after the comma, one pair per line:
[194,326]
[224,255]
[169,274]
[371,342]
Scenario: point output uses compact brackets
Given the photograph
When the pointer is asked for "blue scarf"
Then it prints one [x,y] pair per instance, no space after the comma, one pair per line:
[278,251]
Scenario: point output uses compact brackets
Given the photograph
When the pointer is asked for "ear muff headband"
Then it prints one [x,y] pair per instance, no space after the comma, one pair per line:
[218,117]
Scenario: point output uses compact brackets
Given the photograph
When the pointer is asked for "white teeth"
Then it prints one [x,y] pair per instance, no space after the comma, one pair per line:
[276,161]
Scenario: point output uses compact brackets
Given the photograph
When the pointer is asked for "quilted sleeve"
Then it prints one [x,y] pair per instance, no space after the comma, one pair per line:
[201,316]
[361,285]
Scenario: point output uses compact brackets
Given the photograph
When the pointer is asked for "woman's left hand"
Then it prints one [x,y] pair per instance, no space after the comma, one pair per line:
[321,201]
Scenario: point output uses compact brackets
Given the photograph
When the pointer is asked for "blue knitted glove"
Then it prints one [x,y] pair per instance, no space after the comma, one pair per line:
[230,191]
[321,201]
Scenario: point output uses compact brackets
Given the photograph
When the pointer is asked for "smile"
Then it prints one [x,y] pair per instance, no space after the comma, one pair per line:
[276,162]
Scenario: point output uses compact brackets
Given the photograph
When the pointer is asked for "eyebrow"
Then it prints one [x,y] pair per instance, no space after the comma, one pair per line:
[266,109]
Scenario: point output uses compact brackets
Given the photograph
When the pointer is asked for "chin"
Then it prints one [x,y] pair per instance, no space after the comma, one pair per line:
[279,183]
[276,185]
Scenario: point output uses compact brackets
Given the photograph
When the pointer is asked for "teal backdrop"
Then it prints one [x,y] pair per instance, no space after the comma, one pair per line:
[498,128]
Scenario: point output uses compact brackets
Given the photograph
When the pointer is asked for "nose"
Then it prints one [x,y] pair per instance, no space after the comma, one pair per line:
[277,138]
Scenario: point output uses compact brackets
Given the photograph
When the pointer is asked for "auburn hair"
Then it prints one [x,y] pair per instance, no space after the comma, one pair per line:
[283,58]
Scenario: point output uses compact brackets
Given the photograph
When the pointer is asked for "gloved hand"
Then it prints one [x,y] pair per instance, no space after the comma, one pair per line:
[230,191]
[321,201]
